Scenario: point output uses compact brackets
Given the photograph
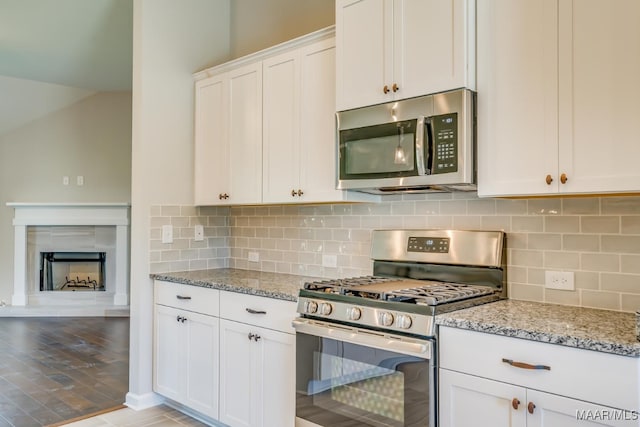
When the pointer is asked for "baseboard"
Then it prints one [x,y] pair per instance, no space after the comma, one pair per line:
[138,402]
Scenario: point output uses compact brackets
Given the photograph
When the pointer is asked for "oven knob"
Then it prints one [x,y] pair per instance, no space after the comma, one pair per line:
[310,307]
[354,313]
[403,321]
[385,318]
[325,308]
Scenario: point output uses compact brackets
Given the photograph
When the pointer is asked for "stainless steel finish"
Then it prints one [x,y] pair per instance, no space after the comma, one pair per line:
[468,248]
[461,101]
[422,169]
[385,341]
[369,316]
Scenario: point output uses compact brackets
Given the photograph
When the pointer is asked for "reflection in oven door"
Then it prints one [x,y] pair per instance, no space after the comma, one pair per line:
[344,384]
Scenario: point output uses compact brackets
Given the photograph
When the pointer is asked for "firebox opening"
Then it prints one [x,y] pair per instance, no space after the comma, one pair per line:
[72,271]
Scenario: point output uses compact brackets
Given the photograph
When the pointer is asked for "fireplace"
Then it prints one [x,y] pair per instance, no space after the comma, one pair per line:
[72,271]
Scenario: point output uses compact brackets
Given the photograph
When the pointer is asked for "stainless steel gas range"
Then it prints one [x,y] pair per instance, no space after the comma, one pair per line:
[366,347]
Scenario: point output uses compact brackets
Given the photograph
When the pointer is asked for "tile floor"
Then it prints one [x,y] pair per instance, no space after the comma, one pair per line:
[159,416]
[60,368]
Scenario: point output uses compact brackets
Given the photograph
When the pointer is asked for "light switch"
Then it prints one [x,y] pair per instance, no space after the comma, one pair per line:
[167,234]
[65,180]
[80,180]
[199,233]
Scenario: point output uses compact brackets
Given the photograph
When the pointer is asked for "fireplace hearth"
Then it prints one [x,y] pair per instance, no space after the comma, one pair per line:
[72,271]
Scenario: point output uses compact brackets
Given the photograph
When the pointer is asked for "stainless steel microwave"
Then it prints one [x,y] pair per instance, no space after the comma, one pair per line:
[422,144]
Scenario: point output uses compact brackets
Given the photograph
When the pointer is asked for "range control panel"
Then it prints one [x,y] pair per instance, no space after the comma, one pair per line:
[445,143]
[438,245]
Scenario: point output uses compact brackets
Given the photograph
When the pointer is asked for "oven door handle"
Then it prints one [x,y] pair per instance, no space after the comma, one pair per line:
[395,343]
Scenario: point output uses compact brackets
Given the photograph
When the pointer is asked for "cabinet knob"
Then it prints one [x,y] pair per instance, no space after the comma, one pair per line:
[531,407]
[563,178]
[395,88]
[293,193]
[515,403]
[385,89]
[300,192]
[220,196]
[256,337]
[178,319]
[549,180]
[251,336]
[223,196]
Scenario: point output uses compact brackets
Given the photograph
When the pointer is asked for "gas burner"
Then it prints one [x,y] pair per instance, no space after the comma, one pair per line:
[434,293]
[346,286]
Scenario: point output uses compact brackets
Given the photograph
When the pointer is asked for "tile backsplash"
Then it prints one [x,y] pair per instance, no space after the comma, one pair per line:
[598,238]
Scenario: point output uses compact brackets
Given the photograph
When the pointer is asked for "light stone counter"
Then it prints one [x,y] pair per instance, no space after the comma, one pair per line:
[260,283]
[591,329]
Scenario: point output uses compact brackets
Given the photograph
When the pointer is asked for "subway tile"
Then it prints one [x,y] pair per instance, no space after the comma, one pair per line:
[155,211]
[630,302]
[620,205]
[599,299]
[517,274]
[627,283]
[493,222]
[159,221]
[198,264]
[519,291]
[562,260]
[630,264]
[403,208]
[621,244]
[511,207]
[341,209]
[544,206]
[535,276]
[188,211]
[428,207]
[170,211]
[527,223]
[555,296]
[630,224]
[350,221]
[525,258]
[439,196]
[580,242]
[391,221]
[467,222]
[453,207]
[548,241]
[587,280]
[481,207]
[600,224]
[517,241]
[415,221]
[600,262]
[581,206]
[440,222]
[562,224]
[370,222]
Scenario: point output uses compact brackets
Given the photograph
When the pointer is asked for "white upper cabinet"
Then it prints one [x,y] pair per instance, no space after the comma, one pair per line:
[557,84]
[228,137]
[396,49]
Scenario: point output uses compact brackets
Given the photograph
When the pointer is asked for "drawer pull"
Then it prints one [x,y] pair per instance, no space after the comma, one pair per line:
[526,365]
[531,407]
[182,297]
[515,403]
[252,311]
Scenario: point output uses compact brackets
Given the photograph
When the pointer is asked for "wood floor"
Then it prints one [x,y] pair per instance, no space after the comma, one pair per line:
[57,369]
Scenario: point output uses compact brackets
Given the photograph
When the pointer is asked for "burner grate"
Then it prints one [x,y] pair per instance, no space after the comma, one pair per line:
[346,286]
[435,293]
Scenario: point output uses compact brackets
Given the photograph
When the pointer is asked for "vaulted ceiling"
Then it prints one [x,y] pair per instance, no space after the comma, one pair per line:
[55,52]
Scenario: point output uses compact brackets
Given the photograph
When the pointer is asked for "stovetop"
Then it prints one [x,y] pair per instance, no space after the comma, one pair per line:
[423,292]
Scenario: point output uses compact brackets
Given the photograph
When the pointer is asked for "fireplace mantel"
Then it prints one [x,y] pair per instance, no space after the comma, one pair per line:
[70,214]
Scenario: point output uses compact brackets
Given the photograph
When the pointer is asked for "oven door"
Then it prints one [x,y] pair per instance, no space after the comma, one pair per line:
[353,377]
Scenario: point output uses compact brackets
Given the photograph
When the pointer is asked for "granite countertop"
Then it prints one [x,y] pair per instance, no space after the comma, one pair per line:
[586,328]
[260,283]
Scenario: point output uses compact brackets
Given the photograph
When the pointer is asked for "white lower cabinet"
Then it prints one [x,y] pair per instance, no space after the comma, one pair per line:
[186,350]
[257,364]
[581,388]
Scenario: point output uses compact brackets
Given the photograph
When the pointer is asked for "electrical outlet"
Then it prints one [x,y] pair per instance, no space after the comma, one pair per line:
[199,233]
[167,234]
[254,256]
[329,260]
[80,180]
[65,180]
[563,280]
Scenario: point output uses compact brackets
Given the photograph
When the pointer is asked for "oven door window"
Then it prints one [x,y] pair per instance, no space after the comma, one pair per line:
[380,151]
[339,383]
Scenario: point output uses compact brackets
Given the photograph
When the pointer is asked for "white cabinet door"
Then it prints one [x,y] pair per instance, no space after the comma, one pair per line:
[599,92]
[186,358]
[517,97]
[551,410]
[434,46]
[281,135]
[168,353]
[238,373]
[470,401]
[276,357]
[245,134]
[364,44]
[201,354]
[211,151]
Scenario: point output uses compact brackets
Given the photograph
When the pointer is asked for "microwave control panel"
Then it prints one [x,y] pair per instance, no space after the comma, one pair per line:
[445,143]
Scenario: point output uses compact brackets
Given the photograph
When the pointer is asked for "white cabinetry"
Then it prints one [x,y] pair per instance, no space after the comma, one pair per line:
[186,337]
[486,390]
[228,137]
[395,49]
[557,84]
[257,363]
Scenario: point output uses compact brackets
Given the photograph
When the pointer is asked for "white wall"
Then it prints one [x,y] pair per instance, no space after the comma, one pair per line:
[258,24]
[171,40]
[91,138]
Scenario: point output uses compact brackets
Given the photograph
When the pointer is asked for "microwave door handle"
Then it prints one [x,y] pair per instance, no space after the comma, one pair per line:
[421,130]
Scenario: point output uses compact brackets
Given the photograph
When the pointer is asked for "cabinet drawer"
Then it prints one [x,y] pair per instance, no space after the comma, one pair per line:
[593,376]
[187,297]
[260,311]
